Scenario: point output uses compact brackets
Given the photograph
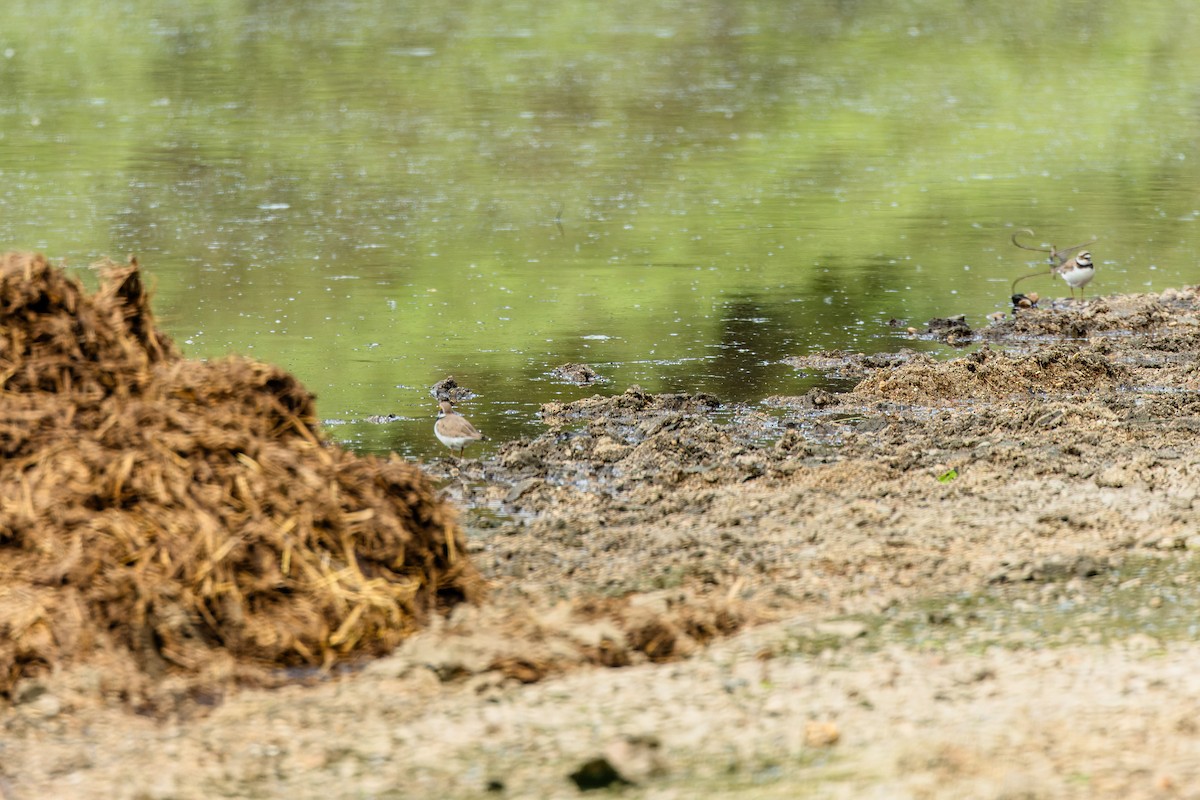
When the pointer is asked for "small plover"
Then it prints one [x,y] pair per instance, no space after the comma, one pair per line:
[1077,272]
[453,429]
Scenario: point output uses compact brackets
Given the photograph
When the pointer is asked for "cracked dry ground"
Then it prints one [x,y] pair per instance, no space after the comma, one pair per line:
[788,591]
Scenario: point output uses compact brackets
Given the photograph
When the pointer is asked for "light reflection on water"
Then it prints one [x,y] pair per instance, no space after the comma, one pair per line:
[680,195]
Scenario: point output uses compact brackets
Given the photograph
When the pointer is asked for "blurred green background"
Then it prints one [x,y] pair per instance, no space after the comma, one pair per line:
[375,195]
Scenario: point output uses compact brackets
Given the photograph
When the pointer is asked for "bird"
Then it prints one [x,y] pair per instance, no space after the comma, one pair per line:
[1077,272]
[453,429]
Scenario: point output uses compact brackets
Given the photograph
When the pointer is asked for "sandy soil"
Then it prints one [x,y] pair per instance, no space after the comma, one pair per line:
[964,578]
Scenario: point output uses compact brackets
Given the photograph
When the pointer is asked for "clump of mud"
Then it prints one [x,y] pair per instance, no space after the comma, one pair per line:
[631,437]
[633,406]
[1127,313]
[844,364]
[951,330]
[990,375]
[164,518]
[448,389]
[580,374]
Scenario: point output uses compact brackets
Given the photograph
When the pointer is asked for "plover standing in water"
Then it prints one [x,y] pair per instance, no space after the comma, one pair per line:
[453,429]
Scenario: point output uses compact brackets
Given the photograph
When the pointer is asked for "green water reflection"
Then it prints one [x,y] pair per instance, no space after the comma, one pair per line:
[378,194]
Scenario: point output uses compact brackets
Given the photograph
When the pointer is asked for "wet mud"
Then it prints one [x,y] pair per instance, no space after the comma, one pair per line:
[778,598]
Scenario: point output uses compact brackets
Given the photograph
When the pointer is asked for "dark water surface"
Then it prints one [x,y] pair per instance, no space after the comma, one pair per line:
[377,195]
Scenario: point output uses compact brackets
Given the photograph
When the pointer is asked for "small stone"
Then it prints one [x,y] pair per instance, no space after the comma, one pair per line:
[1142,642]
[1182,498]
[871,425]
[1114,477]
[46,706]
[27,691]
[608,450]
[448,389]
[518,458]
[842,629]
[660,601]
[580,374]
[1050,419]
[597,773]
[821,734]
[819,398]
[636,759]
[453,656]
[521,488]
[598,634]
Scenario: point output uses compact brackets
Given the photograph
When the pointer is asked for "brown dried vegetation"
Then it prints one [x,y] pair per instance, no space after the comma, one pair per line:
[164,517]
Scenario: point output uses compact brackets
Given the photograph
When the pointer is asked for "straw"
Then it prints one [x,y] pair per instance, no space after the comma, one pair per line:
[187,516]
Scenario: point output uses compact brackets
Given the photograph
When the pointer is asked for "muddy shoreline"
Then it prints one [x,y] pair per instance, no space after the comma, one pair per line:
[963,578]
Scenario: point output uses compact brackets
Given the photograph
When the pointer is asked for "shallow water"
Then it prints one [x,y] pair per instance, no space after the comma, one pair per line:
[377,195]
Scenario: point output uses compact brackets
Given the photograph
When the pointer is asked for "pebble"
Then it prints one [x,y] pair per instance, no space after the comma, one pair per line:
[521,488]
[46,706]
[821,734]
[1182,498]
[637,759]
[597,773]
[842,629]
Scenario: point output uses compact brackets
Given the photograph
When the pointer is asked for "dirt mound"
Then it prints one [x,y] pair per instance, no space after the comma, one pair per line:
[162,517]
[988,375]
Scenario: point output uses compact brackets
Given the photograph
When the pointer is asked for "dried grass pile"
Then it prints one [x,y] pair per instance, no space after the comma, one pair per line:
[166,518]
